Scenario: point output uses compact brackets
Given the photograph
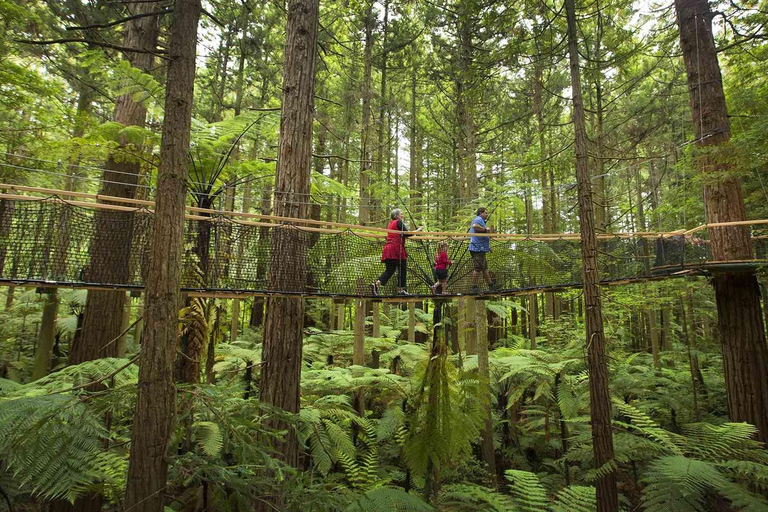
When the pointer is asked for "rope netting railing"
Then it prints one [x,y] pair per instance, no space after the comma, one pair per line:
[52,241]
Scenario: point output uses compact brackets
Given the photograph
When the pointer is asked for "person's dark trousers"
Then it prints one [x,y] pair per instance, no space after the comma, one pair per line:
[392,266]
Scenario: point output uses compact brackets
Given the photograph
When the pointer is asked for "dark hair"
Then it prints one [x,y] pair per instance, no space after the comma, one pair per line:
[481,210]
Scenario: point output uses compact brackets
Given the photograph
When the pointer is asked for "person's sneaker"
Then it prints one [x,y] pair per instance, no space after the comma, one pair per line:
[375,289]
[404,293]
[474,289]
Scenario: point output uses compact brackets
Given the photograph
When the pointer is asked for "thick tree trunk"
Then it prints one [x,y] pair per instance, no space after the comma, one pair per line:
[282,350]
[104,309]
[156,402]
[745,353]
[600,401]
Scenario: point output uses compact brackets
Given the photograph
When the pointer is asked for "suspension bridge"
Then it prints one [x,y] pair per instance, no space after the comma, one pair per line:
[57,238]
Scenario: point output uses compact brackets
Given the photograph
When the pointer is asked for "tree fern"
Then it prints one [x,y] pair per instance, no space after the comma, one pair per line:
[53,445]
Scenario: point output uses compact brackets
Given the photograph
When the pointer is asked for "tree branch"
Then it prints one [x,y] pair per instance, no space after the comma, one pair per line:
[122,20]
[86,41]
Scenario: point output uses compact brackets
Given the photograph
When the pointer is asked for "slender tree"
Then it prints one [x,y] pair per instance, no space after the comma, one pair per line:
[156,402]
[742,335]
[600,404]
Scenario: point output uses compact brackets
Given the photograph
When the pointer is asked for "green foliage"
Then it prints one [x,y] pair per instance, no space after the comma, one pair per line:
[575,498]
[471,497]
[529,494]
[387,498]
[53,445]
[678,483]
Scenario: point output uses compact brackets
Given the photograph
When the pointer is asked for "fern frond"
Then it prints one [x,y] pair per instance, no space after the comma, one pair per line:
[388,498]
[208,436]
[575,498]
[679,483]
[529,494]
[471,497]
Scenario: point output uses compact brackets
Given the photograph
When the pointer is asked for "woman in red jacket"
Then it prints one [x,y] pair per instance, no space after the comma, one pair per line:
[394,255]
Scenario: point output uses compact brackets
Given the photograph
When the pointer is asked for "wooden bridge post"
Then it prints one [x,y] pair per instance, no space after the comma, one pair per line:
[340,307]
[358,350]
[376,320]
[533,319]
[234,327]
[470,326]
[481,337]
[412,322]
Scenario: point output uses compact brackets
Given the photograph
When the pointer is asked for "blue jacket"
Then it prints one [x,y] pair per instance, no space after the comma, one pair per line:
[479,243]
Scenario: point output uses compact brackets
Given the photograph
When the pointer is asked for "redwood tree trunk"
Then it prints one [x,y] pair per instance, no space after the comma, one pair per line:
[156,402]
[745,354]
[600,404]
[282,350]
[104,309]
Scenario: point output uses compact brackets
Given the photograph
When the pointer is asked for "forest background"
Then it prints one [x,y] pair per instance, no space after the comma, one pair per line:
[437,108]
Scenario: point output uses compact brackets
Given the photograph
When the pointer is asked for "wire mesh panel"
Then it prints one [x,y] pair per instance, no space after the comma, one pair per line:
[54,241]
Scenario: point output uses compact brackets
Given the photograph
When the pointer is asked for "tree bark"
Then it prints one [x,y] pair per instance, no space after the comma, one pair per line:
[742,335]
[156,401]
[104,309]
[282,350]
[366,140]
[600,404]
[468,182]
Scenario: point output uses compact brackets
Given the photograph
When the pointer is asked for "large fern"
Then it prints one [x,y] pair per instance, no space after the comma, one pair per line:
[678,483]
[389,499]
[54,445]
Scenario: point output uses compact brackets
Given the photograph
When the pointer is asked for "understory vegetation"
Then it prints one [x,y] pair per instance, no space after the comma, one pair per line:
[379,437]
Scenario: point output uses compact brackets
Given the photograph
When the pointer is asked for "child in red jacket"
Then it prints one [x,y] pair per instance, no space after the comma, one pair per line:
[441,268]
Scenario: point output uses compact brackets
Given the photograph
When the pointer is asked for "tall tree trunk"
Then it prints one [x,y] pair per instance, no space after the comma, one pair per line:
[464,112]
[745,353]
[383,147]
[282,350]
[156,402]
[241,61]
[366,138]
[600,401]
[414,142]
[104,309]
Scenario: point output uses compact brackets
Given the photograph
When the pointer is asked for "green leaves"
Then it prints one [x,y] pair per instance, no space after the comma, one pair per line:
[678,483]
